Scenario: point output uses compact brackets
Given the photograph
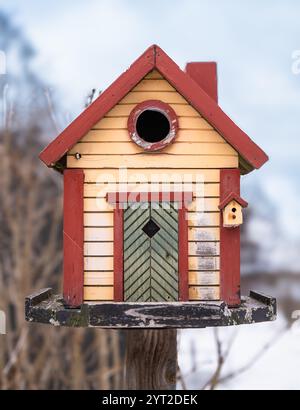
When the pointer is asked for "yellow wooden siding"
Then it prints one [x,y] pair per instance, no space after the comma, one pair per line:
[105,293]
[129,148]
[196,219]
[99,293]
[154,74]
[120,123]
[197,153]
[198,204]
[204,293]
[195,234]
[106,263]
[121,135]
[199,190]
[150,175]
[151,160]
[204,278]
[123,110]
[99,278]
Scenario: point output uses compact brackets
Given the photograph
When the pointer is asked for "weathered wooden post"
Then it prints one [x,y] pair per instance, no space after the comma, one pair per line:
[151,359]
[152,215]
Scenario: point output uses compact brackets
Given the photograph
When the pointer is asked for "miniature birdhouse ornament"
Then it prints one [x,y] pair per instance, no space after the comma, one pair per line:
[232,207]
[232,215]
[152,207]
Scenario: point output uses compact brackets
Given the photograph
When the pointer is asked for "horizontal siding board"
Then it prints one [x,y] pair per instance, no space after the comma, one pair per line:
[102,293]
[204,278]
[203,219]
[122,135]
[105,219]
[98,219]
[98,293]
[204,248]
[111,123]
[195,123]
[124,110]
[98,278]
[167,97]
[195,278]
[128,148]
[98,249]
[154,85]
[198,205]
[98,234]
[97,205]
[101,263]
[96,135]
[204,263]
[147,175]
[154,74]
[158,160]
[204,292]
[204,205]
[204,234]
[199,190]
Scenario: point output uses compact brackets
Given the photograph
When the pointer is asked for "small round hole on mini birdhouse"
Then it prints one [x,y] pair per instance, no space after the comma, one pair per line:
[152,126]
[233,216]
[233,209]
[77,155]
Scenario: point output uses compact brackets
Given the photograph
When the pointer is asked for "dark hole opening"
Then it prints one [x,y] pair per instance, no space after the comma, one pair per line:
[152,126]
[151,228]
[233,209]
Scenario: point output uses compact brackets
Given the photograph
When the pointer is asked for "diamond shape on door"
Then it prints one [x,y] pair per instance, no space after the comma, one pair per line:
[151,228]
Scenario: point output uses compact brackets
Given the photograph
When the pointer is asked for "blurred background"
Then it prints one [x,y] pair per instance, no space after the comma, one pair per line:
[54,57]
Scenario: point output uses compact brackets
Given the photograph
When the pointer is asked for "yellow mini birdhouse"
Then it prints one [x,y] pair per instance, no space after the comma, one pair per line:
[232,210]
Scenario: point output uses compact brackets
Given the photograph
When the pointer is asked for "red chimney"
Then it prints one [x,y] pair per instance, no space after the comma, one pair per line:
[205,74]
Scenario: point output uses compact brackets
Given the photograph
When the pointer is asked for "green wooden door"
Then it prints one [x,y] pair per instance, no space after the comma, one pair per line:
[151,253]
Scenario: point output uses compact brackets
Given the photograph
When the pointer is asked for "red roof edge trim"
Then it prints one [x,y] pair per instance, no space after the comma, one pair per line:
[105,102]
[233,197]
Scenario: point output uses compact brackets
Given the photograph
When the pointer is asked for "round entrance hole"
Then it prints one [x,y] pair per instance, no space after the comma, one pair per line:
[152,125]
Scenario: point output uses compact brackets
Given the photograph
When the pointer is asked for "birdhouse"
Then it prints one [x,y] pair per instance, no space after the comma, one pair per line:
[231,209]
[151,173]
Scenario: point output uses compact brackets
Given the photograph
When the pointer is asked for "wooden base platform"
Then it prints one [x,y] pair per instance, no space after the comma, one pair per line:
[46,307]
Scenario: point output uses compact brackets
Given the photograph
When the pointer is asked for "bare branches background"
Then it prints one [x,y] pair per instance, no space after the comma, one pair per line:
[34,356]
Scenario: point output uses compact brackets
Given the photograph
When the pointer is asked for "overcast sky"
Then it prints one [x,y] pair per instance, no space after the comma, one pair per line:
[85,44]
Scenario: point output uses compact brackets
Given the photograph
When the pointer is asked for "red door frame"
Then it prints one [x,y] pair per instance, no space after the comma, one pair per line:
[120,201]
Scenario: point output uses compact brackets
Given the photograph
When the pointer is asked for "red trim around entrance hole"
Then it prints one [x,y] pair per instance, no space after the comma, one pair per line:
[154,105]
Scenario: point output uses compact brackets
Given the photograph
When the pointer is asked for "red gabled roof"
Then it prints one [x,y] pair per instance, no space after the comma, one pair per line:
[155,58]
[233,197]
